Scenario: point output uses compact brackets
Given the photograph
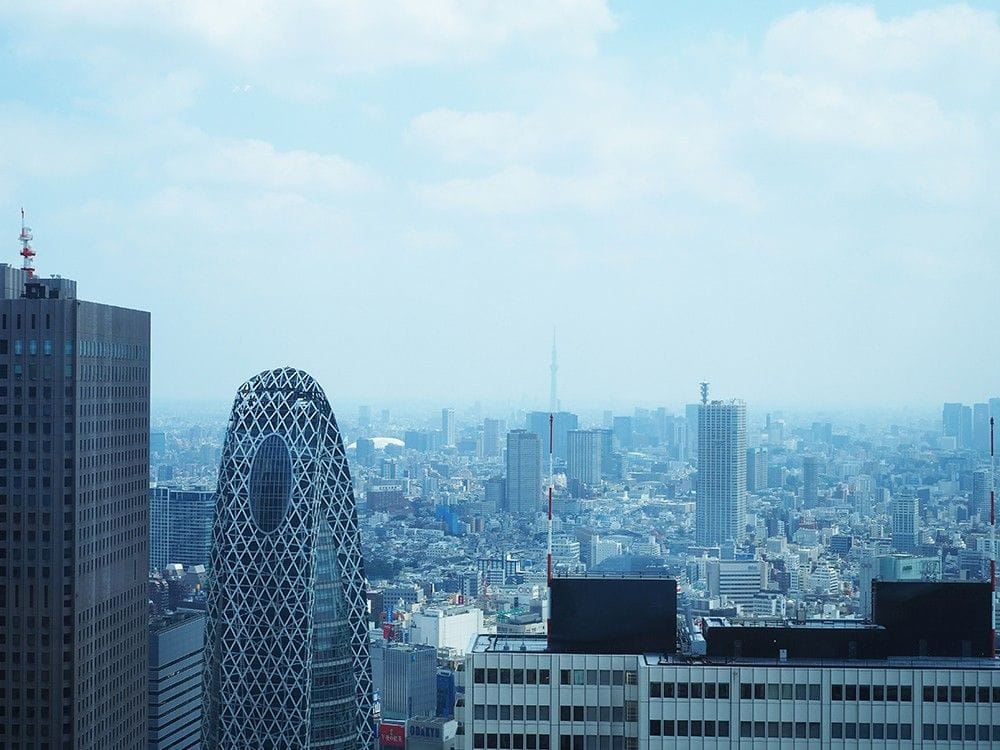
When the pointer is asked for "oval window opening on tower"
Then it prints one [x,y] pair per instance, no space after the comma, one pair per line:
[270,483]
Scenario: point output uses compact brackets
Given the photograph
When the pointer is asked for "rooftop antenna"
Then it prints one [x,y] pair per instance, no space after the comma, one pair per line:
[553,368]
[26,252]
[993,540]
[548,557]
[704,392]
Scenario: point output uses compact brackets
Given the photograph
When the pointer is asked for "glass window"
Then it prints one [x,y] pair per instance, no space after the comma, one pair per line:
[565,677]
[800,730]
[668,690]
[956,694]
[565,713]
[504,676]
[654,690]
[814,730]
[878,731]
[491,712]
[710,690]
[837,730]
[759,729]
[505,712]
[800,691]
[814,692]
[850,731]
[745,729]
[579,677]
[529,712]
[591,676]
[864,731]
[865,693]
[695,729]
[668,728]
[850,692]
[605,676]
[682,728]
[837,692]
[891,732]
[18,347]
[878,692]
[682,690]
[786,692]
[746,690]
[32,347]
[942,694]
[892,693]
[696,690]
[723,729]
[772,691]
[724,691]
[906,693]
[654,728]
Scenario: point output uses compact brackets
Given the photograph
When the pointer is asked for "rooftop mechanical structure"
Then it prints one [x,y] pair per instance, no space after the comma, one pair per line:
[287,660]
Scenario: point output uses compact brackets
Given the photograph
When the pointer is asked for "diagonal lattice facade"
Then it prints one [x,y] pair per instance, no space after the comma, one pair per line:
[287,663]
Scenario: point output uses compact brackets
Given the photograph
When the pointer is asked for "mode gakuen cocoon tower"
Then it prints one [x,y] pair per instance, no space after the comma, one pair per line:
[287,660]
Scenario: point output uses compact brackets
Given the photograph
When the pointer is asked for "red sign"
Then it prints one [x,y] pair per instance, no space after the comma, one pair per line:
[392,735]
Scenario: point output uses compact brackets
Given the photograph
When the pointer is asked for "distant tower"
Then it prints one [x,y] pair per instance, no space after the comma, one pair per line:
[721,503]
[26,252]
[553,369]
[448,426]
[524,472]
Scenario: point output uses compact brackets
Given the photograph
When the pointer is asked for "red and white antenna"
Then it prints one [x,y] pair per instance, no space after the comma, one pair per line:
[548,557]
[993,540]
[26,252]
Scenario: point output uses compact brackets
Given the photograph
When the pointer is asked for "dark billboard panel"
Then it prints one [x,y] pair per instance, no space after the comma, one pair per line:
[934,618]
[613,615]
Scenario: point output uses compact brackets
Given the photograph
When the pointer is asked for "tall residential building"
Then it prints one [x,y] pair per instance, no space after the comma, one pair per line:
[287,661]
[562,423]
[524,472]
[493,430]
[448,426]
[905,524]
[74,523]
[583,459]
[721,502]
[691,431]
[980,500]
[176,656]
[180,526]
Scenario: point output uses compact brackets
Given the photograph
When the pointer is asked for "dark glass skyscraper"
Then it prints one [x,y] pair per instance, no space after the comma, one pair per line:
[74,478]
[287,660]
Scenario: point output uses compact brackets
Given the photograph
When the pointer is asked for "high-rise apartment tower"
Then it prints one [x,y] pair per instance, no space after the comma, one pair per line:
[524,472]
[721,502]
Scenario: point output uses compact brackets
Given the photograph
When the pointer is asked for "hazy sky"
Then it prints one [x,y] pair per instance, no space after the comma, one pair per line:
[798,204]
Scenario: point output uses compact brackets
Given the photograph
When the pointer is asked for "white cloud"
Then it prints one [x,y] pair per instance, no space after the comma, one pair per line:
[259,165]
[343,35]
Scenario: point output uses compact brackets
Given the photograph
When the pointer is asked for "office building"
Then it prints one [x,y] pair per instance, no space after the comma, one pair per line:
[406,678]
[432,733]
[524,472]
[583,462]
[720,505]
[180,526]
[446,627]
[737,581]
[979,502]
[448,426]
[905,524]
[756,469]
[74,516]
[981,428]
[913,678]
[810,480]
[176,657]
[287,661]
[493,431]
[957,423]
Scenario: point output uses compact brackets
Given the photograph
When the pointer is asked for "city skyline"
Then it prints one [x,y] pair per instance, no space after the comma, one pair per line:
[815,171]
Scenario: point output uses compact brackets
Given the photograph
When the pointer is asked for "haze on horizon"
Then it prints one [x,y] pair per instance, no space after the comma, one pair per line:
[796,202]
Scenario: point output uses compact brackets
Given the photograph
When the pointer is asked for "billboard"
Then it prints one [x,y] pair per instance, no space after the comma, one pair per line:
[391,735]
[613,615]
[934,618]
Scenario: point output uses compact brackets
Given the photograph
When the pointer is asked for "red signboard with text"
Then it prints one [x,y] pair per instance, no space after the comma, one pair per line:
[392,735]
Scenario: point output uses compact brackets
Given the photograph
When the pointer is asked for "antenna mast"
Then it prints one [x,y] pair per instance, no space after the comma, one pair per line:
[28,266]
[993,541]
[548,557]
[704,392]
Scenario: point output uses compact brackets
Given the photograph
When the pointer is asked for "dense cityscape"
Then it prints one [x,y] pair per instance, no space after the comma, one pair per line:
[447,375]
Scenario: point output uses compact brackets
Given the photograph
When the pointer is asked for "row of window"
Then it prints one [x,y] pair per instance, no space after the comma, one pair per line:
[689,690]
[511,741]
[778,729]
[957,694]
[508,713]
[967,732]
[591,742]
[689,728]
[597,677]
[799,691]
[617,714]
[510,676]
[18,371]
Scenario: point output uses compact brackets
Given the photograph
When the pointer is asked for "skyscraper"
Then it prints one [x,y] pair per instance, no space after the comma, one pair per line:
[810,480]
[74,523]
[176,656]
[905,524]
[492,430]
[981,428]
[756,469]
[583,462]
[524,472]
[180,526]
[721,502]
[448,426]
[287,662]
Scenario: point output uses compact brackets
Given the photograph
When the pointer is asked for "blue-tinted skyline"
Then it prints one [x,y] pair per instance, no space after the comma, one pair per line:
[403,199]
